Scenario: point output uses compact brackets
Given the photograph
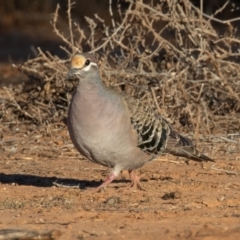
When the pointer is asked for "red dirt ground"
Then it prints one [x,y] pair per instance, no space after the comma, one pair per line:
[182,201]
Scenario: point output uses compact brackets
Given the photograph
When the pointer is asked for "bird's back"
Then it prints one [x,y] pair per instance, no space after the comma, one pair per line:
[155,134]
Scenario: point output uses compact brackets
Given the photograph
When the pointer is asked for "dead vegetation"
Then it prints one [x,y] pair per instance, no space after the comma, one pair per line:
[167,53]
[11,234]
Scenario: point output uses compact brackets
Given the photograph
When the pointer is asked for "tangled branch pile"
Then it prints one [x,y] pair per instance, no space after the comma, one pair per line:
[168,54]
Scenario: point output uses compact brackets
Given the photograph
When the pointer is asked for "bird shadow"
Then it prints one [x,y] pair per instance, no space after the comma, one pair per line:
[39,181]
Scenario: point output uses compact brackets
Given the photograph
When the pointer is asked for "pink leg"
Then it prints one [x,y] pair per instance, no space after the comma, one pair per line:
[103,186]
[135,180]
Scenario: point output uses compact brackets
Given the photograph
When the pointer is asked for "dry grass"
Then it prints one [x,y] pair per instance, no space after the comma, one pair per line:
[168,54]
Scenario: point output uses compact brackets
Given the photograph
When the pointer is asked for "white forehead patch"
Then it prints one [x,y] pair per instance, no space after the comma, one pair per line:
[88,67]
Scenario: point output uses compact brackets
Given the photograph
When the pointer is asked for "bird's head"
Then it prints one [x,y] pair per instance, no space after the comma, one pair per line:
[82,65]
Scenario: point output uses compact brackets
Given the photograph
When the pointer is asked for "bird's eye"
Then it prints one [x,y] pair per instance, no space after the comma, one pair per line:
[87,62]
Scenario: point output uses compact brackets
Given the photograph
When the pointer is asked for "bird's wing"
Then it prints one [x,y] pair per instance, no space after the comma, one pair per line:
[155,134]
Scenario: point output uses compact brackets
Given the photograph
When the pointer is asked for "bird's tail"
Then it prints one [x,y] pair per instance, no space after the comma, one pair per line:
[191,153]
[182,146]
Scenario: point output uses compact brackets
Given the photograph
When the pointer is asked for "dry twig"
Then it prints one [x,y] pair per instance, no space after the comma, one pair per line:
[168,52]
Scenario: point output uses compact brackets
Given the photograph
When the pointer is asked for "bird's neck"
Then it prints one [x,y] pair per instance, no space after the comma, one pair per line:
[95,100]
[90,88]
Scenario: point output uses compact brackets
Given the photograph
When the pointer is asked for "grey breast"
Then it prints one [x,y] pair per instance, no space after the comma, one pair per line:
[100,128]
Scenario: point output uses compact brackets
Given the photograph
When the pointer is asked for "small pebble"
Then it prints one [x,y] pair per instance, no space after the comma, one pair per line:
[171,195]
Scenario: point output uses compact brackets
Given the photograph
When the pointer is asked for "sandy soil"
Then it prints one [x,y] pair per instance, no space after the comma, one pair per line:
[46,185]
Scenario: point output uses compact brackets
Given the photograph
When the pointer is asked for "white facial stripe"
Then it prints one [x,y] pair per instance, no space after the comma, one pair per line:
[87,68]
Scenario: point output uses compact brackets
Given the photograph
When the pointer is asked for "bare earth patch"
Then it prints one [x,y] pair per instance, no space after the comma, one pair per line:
[46,185]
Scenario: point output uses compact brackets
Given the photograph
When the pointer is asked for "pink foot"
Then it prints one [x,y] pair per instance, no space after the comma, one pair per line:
[104,185]
[135,181]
